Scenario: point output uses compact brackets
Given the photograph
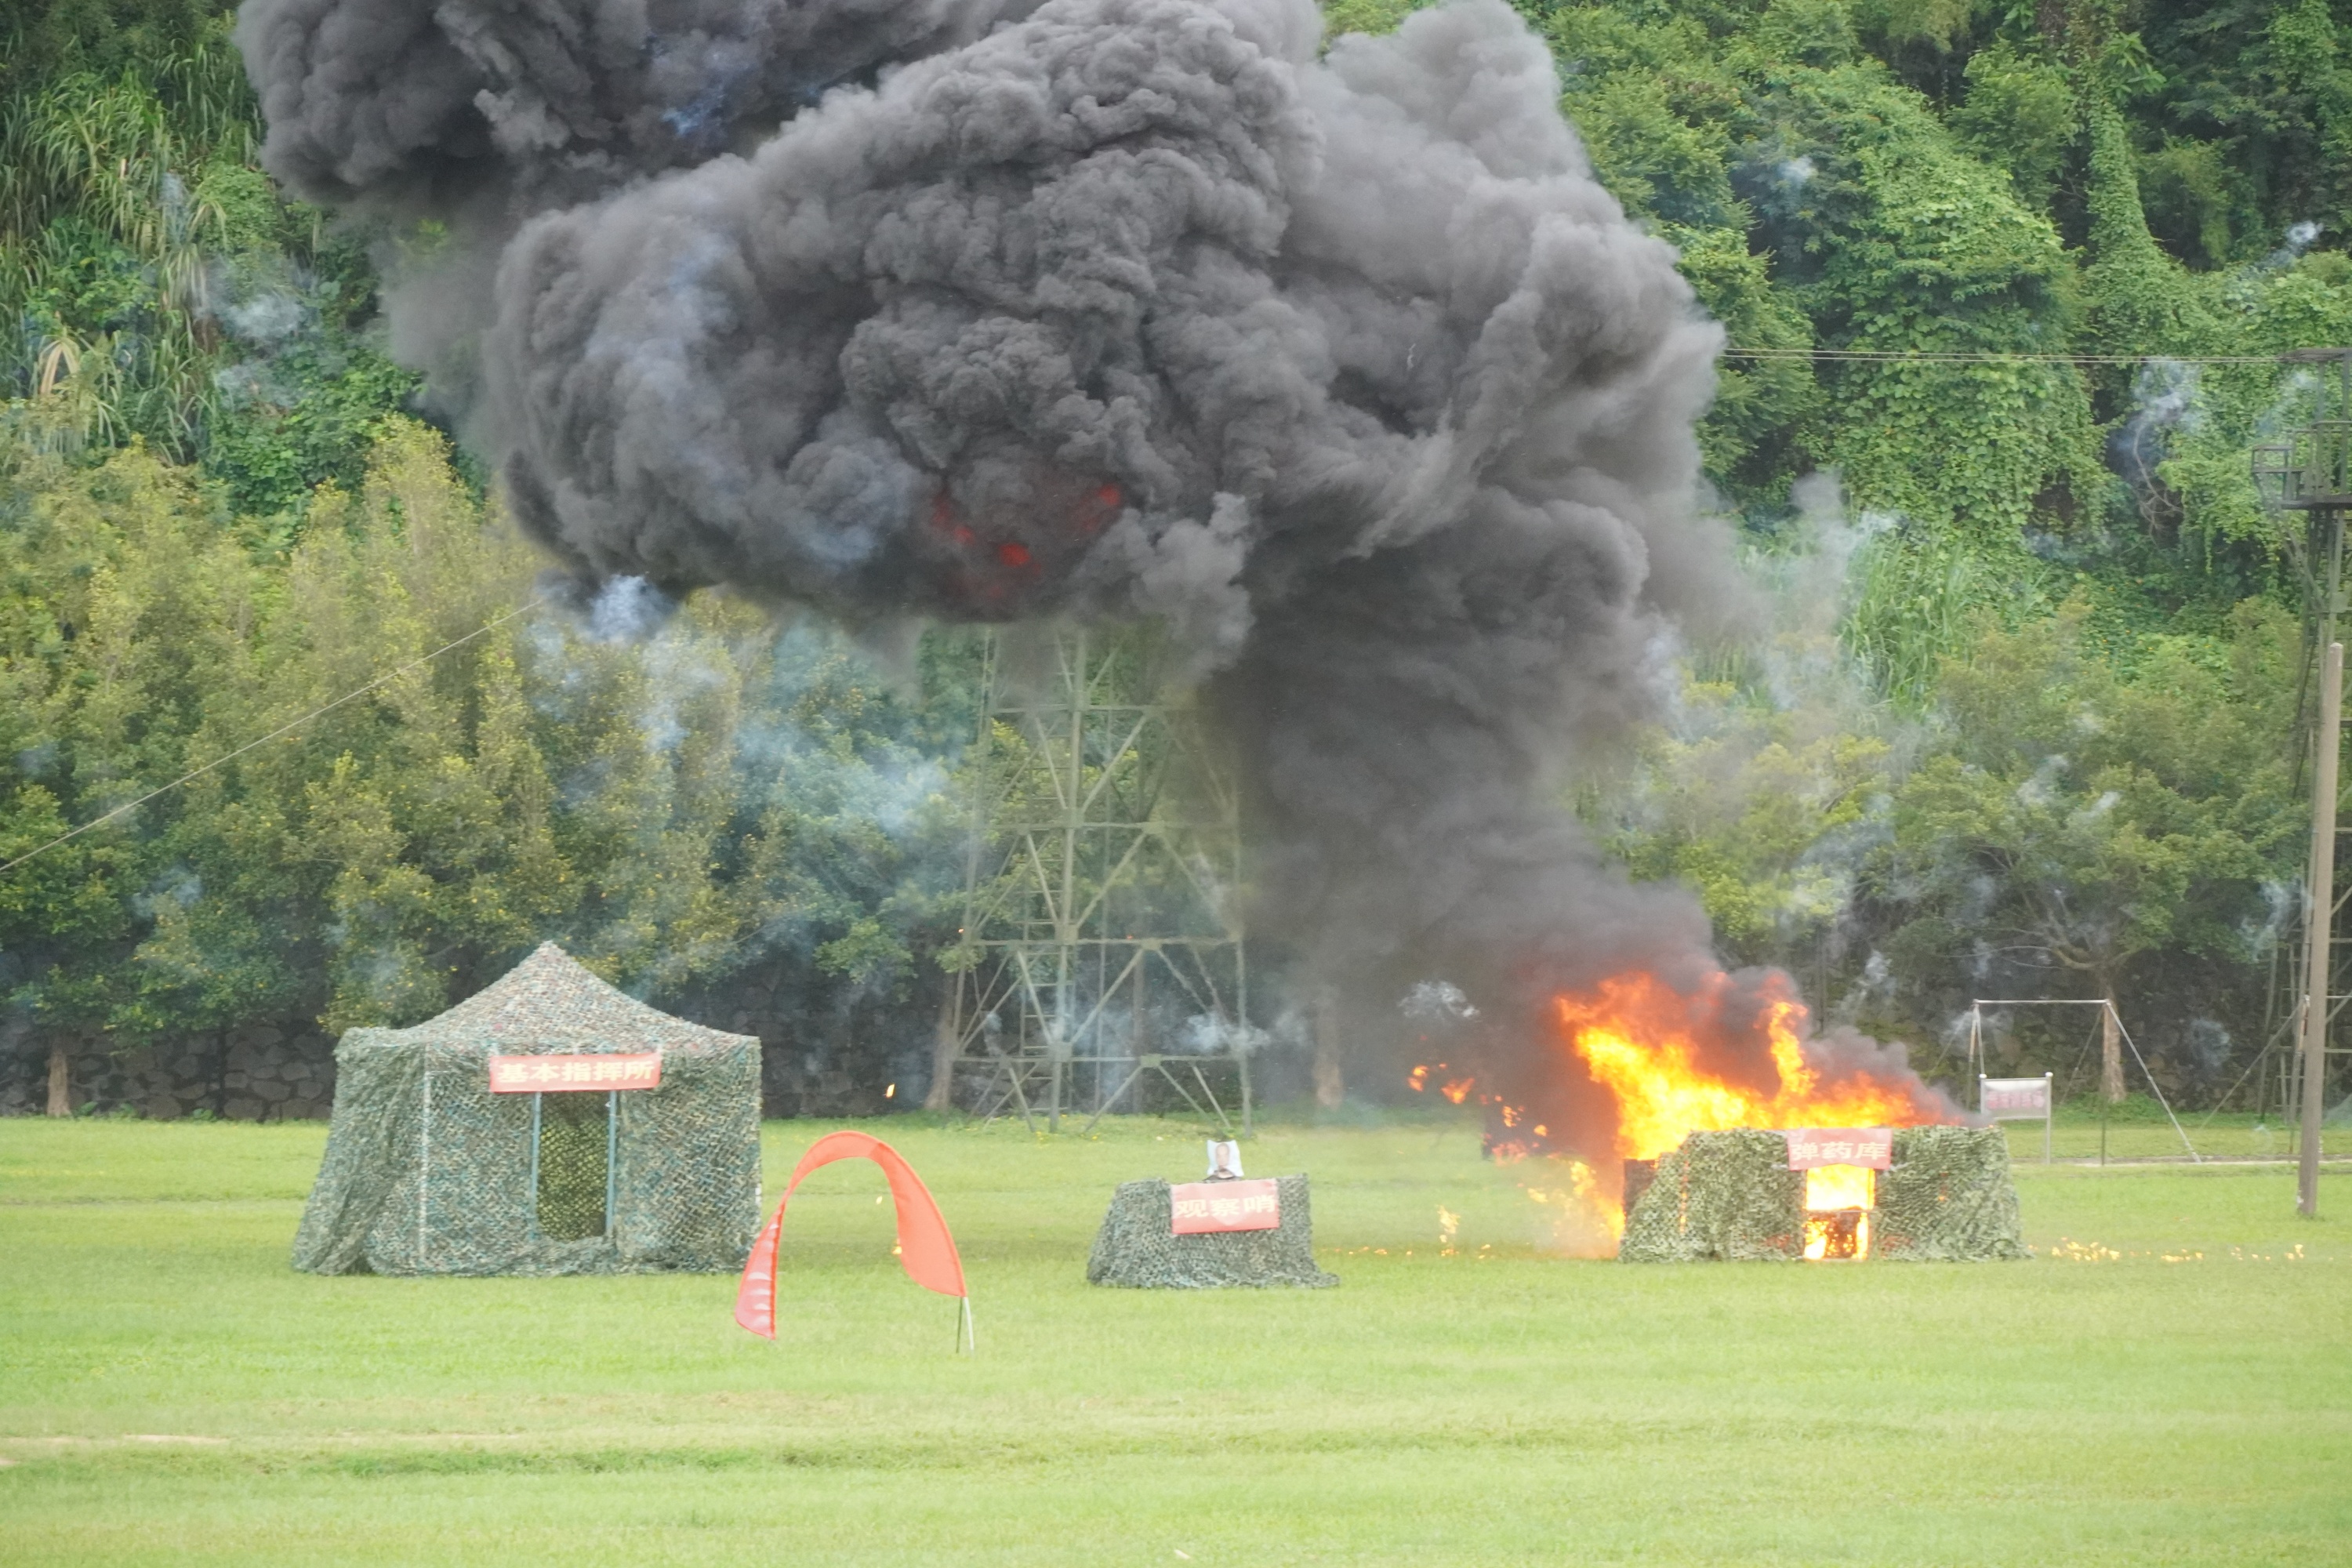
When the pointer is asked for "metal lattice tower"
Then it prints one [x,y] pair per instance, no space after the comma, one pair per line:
[2311,473]
[1102,950]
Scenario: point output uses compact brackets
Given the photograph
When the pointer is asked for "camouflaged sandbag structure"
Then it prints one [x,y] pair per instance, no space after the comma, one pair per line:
[1948,1196]
[427,1172]
[1136,1248]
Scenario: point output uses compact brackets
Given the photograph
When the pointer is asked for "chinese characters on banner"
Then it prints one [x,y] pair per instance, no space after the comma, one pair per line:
[1198,1208]
[1811,1148]
[2029,1096]
[555,1074]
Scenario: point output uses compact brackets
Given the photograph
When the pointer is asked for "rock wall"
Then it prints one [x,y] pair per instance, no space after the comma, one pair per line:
[256,1073]
[287,1072]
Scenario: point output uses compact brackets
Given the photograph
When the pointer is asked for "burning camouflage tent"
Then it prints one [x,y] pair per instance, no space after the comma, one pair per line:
[1946,1194]
[632,1146]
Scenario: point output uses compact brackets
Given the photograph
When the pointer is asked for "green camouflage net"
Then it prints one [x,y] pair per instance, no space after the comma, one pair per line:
[1948,1196]
[427,1172]
[1135,1247]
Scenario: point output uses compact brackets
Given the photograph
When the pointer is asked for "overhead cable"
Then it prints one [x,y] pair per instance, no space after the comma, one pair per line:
[1956,356]
[284,728]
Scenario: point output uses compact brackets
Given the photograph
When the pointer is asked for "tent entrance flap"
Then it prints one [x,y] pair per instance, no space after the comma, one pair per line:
[572,1164]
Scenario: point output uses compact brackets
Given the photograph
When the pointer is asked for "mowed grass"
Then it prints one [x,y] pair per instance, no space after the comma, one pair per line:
[171,1392]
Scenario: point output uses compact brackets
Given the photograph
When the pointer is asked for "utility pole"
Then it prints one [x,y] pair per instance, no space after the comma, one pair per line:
[2311,472]
[2319,926]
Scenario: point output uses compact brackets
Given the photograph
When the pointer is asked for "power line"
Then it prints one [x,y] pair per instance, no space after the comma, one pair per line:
[1938,356]
[281,729]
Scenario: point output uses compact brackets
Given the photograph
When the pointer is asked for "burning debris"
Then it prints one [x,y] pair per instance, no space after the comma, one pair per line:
[1637,1066]
[1837,1204]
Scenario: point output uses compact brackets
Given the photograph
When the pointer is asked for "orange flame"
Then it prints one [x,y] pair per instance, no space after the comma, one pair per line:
[1640,1041]
[1587,1224]
[1456,1090]
[1838,1201]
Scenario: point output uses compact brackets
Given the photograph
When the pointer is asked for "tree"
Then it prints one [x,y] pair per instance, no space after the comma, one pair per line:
[2086,818]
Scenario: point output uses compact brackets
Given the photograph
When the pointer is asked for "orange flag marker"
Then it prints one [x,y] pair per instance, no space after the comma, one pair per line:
[926,1250]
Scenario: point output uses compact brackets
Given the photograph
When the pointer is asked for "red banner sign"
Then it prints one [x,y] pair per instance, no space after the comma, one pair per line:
[1198,1208]
[559,1075]
[1811,1148]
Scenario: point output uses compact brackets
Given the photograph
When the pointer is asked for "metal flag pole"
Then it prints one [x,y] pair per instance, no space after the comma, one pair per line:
[1976,1051]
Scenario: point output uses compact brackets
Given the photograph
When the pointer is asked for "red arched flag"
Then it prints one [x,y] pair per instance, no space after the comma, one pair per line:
[925,1249]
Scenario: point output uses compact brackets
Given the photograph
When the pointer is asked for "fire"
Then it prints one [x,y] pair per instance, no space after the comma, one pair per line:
[1838,1201]
[1641,1041]
[1456,1090]
[1647,1046]
[1587,1224]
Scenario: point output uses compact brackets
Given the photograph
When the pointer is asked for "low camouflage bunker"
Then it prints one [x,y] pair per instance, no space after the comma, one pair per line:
[1946,1194]
[427,1170]
[1136,1246]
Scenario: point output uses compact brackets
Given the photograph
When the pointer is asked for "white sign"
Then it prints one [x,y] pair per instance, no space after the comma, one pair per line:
[2020,1100]
[2019,1096]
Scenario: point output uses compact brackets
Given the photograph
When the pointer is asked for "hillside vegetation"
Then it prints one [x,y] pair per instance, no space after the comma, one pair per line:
[2023,722]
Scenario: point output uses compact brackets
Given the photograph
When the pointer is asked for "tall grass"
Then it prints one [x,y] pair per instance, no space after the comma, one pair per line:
[93,159]
[1915,598]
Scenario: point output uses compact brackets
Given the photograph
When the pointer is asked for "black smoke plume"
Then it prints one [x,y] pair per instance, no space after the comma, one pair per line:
[1345,366]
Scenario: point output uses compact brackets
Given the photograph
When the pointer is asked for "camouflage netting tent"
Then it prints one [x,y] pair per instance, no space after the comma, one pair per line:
[1136,1246]
[428,1171]
[1948,1196]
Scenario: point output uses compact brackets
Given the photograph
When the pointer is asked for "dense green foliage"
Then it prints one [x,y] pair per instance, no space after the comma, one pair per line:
[2024,719]
[671,806]
[154,284]
[2031,731]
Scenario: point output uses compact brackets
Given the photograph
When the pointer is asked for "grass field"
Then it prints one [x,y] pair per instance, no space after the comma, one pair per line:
[171,1392]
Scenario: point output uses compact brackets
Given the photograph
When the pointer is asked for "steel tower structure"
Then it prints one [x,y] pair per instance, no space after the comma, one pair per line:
[2311,472]
[1102,954]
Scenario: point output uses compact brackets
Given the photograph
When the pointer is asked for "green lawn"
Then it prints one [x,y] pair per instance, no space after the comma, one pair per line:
[170,1391]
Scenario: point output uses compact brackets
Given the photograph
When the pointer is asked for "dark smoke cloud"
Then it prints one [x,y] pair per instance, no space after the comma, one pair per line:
[479,112]
[430,102]
[1346,366]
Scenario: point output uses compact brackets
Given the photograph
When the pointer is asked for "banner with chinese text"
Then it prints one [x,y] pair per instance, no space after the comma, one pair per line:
[1197,1208]
[1811,1148]
[557,1075]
